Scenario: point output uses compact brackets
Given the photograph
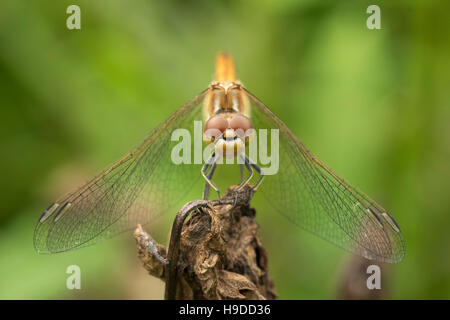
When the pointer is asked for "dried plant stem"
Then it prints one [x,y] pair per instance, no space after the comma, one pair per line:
[213,254]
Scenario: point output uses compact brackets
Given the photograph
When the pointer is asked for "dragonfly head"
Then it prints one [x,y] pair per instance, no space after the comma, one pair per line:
[230,132]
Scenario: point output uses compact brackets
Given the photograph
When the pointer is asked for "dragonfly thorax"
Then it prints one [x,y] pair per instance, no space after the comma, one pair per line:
[225,96]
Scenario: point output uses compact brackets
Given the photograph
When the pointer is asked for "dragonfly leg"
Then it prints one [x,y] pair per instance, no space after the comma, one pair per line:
[258,183]
[211,162]
[207,186]
[241,167]
[250,170]
[243,182]
[250,164]
[261,176]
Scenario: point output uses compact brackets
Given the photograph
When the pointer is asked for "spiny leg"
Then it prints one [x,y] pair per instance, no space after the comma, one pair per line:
[207,186]
[210,162]
[250,164]
[261,176]
[250,170]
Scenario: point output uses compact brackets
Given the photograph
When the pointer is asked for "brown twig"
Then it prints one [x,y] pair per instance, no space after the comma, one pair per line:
[215,254]
[174,245]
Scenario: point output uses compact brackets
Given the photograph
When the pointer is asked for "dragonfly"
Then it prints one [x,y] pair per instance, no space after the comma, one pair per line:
[146,183]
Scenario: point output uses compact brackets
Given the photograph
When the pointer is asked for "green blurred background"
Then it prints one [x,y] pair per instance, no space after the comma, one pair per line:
[372,104]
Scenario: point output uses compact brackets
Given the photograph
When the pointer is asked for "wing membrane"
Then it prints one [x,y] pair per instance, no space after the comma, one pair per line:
[140,186]
[311,196]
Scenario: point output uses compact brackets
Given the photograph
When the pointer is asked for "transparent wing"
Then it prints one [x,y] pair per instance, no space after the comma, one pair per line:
[140,186]
[307,193]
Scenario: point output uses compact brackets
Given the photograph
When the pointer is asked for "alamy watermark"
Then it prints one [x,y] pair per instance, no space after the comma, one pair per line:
[74,20]
[374,20]
[74,280]
[374,280]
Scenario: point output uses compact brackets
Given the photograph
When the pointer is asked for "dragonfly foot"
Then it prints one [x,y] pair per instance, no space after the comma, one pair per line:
[250,197]
[236,197]
[219,197]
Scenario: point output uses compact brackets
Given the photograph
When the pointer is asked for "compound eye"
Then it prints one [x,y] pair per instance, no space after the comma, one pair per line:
[241,124]
[215,126]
